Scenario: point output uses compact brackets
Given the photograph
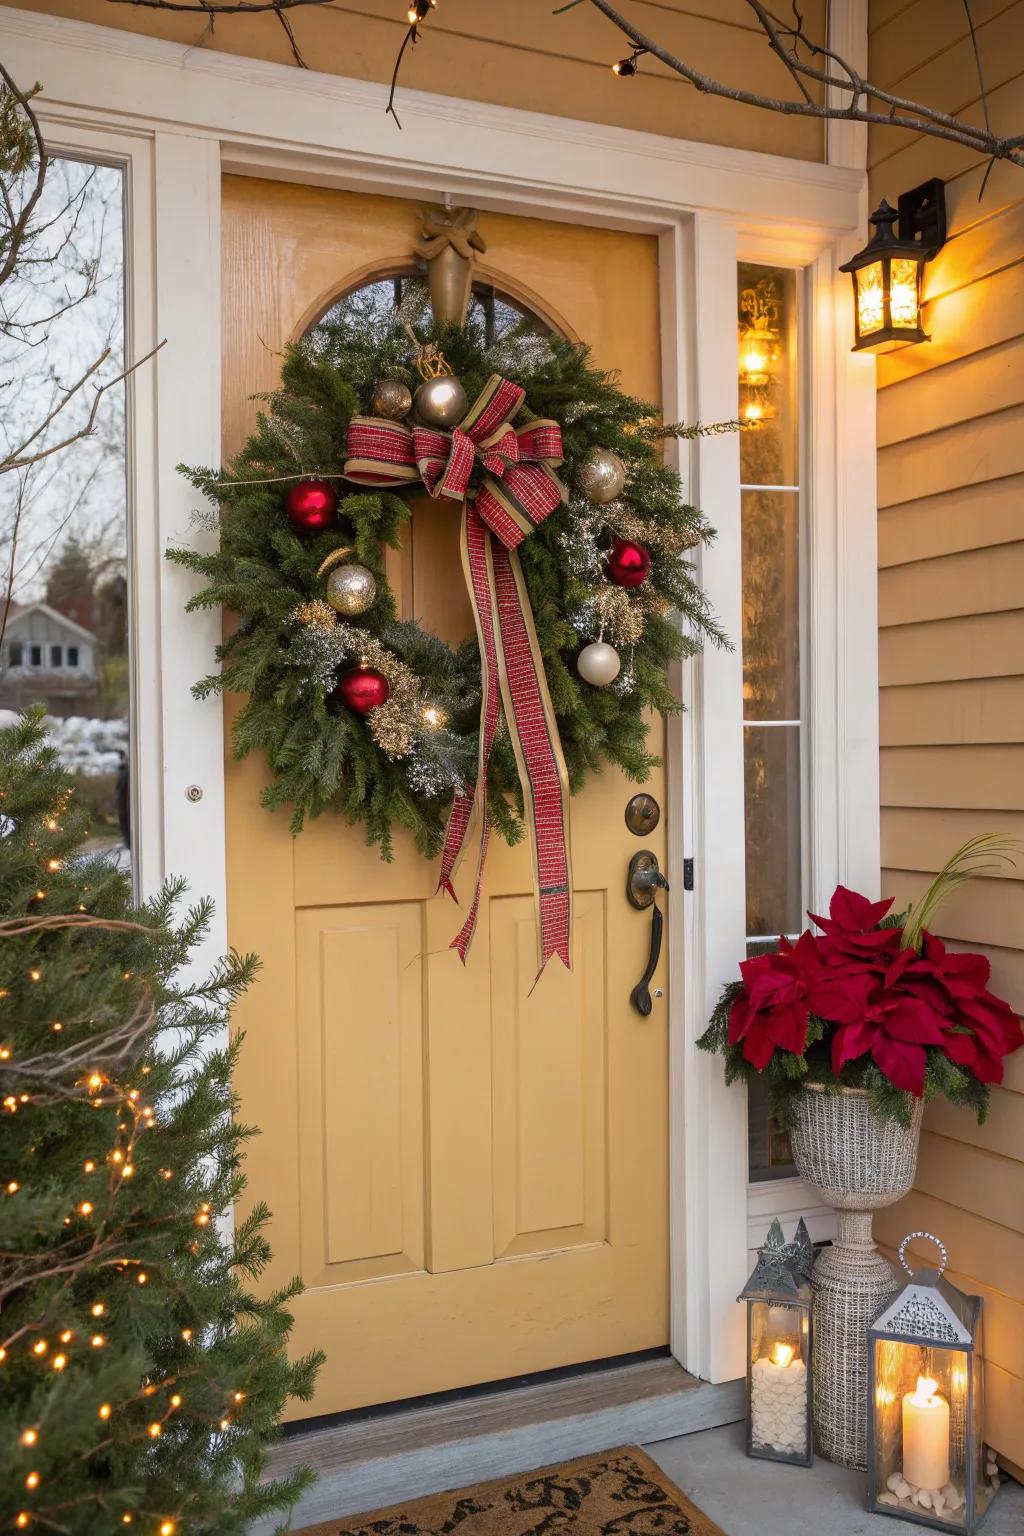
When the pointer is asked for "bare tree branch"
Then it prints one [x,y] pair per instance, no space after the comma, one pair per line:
[18,223]
[221,7]
[19,459]
[838,74]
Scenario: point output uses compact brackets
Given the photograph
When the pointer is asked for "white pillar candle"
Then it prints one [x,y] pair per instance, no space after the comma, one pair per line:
[926,1436]
[778,1401]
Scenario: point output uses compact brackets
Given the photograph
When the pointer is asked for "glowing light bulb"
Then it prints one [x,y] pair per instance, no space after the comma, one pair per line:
[176,1400]
[13,1186]
[128,1171]
[53,865]
[66,1336]
[40,1347]
[95,1080]
[155,1430]
[239,1397]
[98,1308]
[3,1356]
[32,1481]
[117,1157]
[225,1422]
[85,1209]
[59,1362]
[29,1436]
[167,1528]
[23,1518]
[97,1341]
[5,1053]
[35,974]
[186,1334]
[104,1410]
[88,1166]
[56,1026]
[142,1278]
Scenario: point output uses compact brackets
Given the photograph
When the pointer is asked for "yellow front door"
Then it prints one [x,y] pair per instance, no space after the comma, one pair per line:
[472,1181]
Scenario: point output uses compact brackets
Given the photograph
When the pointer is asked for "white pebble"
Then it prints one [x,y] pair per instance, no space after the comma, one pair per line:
[901,1488]
[892,1481]
[924,1498]
[887,1498]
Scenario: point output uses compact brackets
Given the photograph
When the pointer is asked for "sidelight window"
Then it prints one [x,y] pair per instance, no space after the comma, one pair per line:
[774,745]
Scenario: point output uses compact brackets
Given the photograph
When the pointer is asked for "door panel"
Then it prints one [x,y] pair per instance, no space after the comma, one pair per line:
[470,1177]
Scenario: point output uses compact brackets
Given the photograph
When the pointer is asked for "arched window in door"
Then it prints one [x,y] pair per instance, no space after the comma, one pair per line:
[494,312]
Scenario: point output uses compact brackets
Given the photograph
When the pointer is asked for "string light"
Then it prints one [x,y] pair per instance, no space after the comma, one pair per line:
[155,1430]
[59,1362]
[98,1308]
[167,1528]
[5,1053]
[97,1341]
[3,1356]
[88,1166]
[239,1397]
[13,1186]
[186,1334]
[626,67]
[176,1400]
[225,1422]
[35,974]
[56,1026]
[142,1278]
[22,1519]
[419,10]
[203,1218]
[29,1436]
[53,865]
[105,1410]
[85,1209]
[117,1157]
[40,1347]
[126,1518]
[66,1336]
[32,1481]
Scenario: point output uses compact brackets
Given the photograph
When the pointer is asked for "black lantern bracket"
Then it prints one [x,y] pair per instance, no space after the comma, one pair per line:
[922,216]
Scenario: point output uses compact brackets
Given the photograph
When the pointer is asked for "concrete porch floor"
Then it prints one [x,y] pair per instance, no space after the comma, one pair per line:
[761,1498]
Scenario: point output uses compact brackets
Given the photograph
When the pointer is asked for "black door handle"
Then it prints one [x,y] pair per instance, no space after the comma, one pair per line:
[640,996]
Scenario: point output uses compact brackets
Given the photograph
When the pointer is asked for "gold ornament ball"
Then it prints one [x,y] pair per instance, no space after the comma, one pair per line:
[391,399]
[351,589]
[441,402]
[602,476]
[599,663]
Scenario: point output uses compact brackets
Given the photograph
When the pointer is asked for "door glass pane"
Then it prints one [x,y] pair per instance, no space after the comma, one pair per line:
[771,605]
[768,375]
[64,516]
[771,768]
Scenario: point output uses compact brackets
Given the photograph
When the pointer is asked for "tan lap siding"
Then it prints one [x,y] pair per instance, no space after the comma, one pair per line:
[521,55]
[951,611]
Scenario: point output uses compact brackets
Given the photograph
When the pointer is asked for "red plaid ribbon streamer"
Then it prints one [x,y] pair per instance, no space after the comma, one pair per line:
[517,490]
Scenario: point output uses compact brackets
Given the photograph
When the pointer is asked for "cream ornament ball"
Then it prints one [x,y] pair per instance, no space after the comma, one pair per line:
[599,663]
[441,402]
[351,589]
[602,476]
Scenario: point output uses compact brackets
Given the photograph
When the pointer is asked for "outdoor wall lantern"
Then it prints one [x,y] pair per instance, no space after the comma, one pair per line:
[926,1459]
[778,1298]
[887,273]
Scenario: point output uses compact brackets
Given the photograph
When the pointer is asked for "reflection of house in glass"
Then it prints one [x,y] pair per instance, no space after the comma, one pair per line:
[47,658]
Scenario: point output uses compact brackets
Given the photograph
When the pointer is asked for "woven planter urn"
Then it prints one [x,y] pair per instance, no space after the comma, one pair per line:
[858,1164]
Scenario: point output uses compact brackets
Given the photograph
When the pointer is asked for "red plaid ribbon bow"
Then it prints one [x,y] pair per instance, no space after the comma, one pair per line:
[516,489]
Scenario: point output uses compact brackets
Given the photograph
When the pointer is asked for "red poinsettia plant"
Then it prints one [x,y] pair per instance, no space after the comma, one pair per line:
[872,1000]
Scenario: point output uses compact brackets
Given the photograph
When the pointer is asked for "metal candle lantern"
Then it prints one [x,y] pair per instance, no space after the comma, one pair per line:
[926,1458]
[779,1338]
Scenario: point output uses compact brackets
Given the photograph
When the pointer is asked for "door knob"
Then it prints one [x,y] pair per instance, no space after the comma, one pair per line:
[643,882]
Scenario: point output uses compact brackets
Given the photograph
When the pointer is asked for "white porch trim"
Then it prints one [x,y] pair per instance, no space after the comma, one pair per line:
[176,116]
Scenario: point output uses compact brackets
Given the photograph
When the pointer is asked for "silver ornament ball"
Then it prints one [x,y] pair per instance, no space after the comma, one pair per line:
[599,663]
[351,589]
[602,476]
[441,402]
[391,399]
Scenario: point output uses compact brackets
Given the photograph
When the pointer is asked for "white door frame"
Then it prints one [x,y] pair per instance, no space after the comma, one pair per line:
[176,117]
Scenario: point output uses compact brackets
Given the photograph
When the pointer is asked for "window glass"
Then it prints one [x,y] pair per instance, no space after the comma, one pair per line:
[63,516]
[491,313]
[772,621]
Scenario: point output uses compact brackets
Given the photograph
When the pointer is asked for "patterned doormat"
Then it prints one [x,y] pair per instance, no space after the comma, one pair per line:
[618,1493]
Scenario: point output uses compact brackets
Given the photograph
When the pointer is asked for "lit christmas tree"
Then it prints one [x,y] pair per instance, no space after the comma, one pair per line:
[140,1378]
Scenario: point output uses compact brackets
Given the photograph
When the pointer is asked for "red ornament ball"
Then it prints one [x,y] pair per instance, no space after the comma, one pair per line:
[627,564]
[311,505]
[363,689]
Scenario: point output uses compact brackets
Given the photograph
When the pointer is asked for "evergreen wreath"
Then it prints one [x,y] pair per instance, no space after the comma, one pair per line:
[401,763]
